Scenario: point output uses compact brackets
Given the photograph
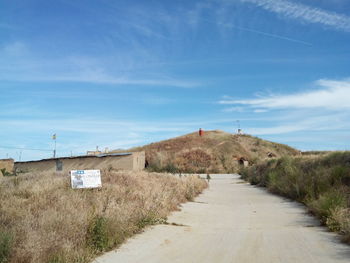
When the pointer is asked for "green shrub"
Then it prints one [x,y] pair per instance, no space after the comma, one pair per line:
[322,183]
[62,257]
[170,168]
[6,173]
[327,202]
[5,246]
[153,167]
[97,236]
[340,221]
[146,221]
[338,173]
[57,259]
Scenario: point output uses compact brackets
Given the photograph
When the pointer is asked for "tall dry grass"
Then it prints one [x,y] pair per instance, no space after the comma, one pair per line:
[321,182]
[43,220]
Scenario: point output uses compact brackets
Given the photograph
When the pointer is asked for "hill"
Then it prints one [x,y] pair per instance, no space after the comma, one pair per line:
[215,152]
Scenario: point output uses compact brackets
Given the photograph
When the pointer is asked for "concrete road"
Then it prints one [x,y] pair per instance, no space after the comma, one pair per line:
[234,222]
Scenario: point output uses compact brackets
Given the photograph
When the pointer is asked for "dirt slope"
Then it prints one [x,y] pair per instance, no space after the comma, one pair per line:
[216,151]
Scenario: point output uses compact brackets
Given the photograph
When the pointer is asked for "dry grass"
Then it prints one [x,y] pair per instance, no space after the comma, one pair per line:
[340,220]
[321,182]
[43,220]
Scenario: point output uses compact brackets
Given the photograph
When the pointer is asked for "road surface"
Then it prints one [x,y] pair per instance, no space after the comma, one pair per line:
[234,222]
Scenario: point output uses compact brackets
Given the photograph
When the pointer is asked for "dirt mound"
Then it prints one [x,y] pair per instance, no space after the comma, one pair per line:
[216,151]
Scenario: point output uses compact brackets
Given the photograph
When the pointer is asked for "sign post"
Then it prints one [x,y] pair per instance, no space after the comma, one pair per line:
[81,179]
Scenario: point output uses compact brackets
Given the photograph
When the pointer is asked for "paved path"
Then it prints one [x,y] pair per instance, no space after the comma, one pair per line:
[234,222]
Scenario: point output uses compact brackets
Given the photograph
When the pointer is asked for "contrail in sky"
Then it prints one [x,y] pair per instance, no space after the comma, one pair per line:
[267,34]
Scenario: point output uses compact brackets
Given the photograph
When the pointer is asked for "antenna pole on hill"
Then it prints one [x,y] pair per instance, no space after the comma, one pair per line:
[239,130]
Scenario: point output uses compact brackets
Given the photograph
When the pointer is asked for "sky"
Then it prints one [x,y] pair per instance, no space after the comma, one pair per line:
[117,74]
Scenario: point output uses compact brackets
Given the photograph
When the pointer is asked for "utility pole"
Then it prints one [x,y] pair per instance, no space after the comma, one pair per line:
[54,151]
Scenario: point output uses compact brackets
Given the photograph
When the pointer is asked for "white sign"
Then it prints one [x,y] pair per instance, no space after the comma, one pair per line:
[85,179]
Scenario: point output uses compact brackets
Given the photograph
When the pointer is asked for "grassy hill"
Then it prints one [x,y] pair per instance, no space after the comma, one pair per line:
[216,151]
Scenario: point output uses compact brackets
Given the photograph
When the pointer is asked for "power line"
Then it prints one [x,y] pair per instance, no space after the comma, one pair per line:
[30,149]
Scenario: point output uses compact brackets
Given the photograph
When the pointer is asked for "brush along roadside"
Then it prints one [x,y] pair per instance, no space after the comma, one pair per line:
[43,220]
[322,183]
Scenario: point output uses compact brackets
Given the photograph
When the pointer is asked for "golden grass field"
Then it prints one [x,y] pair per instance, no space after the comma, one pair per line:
[43,220]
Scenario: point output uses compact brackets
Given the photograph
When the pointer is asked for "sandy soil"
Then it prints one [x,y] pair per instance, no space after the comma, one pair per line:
[234,222]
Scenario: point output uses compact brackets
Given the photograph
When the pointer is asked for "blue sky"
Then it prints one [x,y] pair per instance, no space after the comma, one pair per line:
[118,73]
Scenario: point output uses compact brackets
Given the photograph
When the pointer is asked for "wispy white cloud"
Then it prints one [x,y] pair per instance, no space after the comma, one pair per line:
[19,63]
[260,110]
[331,94]
[99,77]
[324,109]
[234,109]
[302,124]
[305,12]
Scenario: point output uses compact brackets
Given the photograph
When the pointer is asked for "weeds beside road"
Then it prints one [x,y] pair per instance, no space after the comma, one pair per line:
[322,183]
[43,220]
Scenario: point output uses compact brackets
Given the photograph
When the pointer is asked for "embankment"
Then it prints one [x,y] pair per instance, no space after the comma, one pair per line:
[322,183]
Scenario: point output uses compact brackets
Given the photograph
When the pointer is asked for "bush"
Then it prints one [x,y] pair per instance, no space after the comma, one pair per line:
[322,183]
[170,168]
[5,246]
[6,173]
[327,202]
[340,221]
[97,236]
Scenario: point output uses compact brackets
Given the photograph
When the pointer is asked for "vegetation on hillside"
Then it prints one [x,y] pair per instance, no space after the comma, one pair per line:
[4,172]
[43,220]
[322,183]
[214,152]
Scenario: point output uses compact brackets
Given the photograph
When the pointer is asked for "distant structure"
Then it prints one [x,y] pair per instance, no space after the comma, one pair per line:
[243,161]
[239,130]
[200,132]
[96,152]
[132,161]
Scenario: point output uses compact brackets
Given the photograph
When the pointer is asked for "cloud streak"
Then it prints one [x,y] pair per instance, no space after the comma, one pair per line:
[307,123]
[20,64]
[102,78]
[266,34]
[331,94]
[304,12]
